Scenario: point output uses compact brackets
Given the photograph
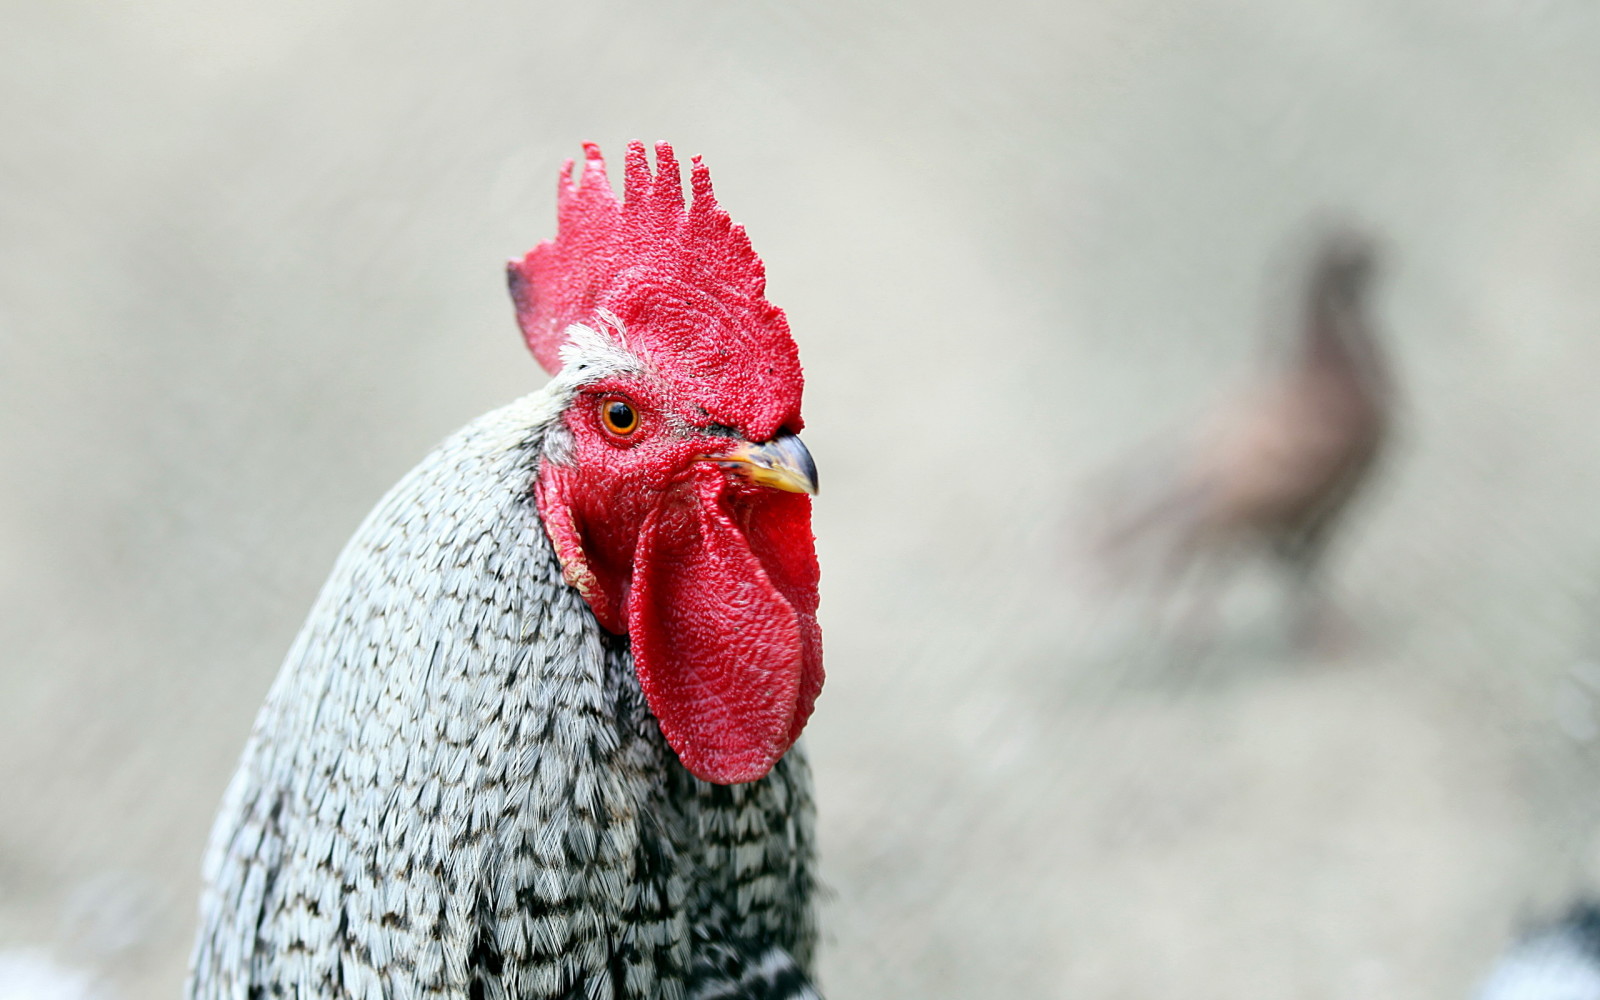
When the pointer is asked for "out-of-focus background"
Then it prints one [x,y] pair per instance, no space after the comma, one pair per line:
[251,270]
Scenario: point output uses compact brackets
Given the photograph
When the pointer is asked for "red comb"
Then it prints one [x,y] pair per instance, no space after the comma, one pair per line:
[683,280]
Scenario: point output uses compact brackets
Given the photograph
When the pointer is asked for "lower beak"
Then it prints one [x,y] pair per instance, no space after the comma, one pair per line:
[782,463]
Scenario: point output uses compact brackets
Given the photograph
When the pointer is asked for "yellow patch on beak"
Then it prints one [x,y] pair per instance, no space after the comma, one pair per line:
[782,463]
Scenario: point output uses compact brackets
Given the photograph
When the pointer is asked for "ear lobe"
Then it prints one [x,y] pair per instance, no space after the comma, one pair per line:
[552,492]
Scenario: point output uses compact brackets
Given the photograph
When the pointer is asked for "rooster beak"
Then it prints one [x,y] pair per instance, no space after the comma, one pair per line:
[782,463]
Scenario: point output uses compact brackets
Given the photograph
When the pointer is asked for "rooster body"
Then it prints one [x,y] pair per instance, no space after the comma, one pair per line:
[465,785]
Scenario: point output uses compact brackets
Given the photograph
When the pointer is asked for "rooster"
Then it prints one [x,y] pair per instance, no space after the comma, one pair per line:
[1280,463]
[537,737]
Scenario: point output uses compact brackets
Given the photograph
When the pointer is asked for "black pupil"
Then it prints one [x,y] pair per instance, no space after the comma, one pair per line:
[620,417]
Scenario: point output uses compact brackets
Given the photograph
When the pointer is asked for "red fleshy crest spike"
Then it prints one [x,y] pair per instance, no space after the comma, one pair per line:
[700,181]
[683,280]
[667,196]
[594,167]
[636,183]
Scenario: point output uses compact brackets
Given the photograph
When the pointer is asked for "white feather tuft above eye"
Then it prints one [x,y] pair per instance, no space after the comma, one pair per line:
[590,354]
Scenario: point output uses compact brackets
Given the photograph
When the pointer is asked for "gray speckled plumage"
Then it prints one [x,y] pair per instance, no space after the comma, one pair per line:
[456,788]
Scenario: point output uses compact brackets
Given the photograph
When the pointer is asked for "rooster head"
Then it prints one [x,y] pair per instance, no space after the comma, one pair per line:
[674,488]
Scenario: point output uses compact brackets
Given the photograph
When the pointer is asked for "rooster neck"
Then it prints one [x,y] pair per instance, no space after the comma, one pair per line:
[453,583]
[455,750]
[462,618]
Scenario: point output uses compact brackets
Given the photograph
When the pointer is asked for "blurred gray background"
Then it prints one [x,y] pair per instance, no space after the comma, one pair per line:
[251,270]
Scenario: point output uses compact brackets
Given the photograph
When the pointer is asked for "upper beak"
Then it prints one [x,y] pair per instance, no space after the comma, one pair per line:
[782,463]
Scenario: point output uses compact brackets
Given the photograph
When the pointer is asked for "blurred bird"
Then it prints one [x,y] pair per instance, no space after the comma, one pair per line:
[110,922]
[536,739]
[28,974]
[1558,962]
[1279,462]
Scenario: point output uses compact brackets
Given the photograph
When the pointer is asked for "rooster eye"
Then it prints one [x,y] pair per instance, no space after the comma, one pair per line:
[619,416]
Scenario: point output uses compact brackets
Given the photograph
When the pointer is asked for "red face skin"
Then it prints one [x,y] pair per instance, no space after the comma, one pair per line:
[713,578]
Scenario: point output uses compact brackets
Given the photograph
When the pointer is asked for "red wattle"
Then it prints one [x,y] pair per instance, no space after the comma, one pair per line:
[722,615]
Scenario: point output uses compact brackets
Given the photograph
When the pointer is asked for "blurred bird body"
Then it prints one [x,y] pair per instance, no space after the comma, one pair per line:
[518,752]
[1561,962]
[1277,465]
